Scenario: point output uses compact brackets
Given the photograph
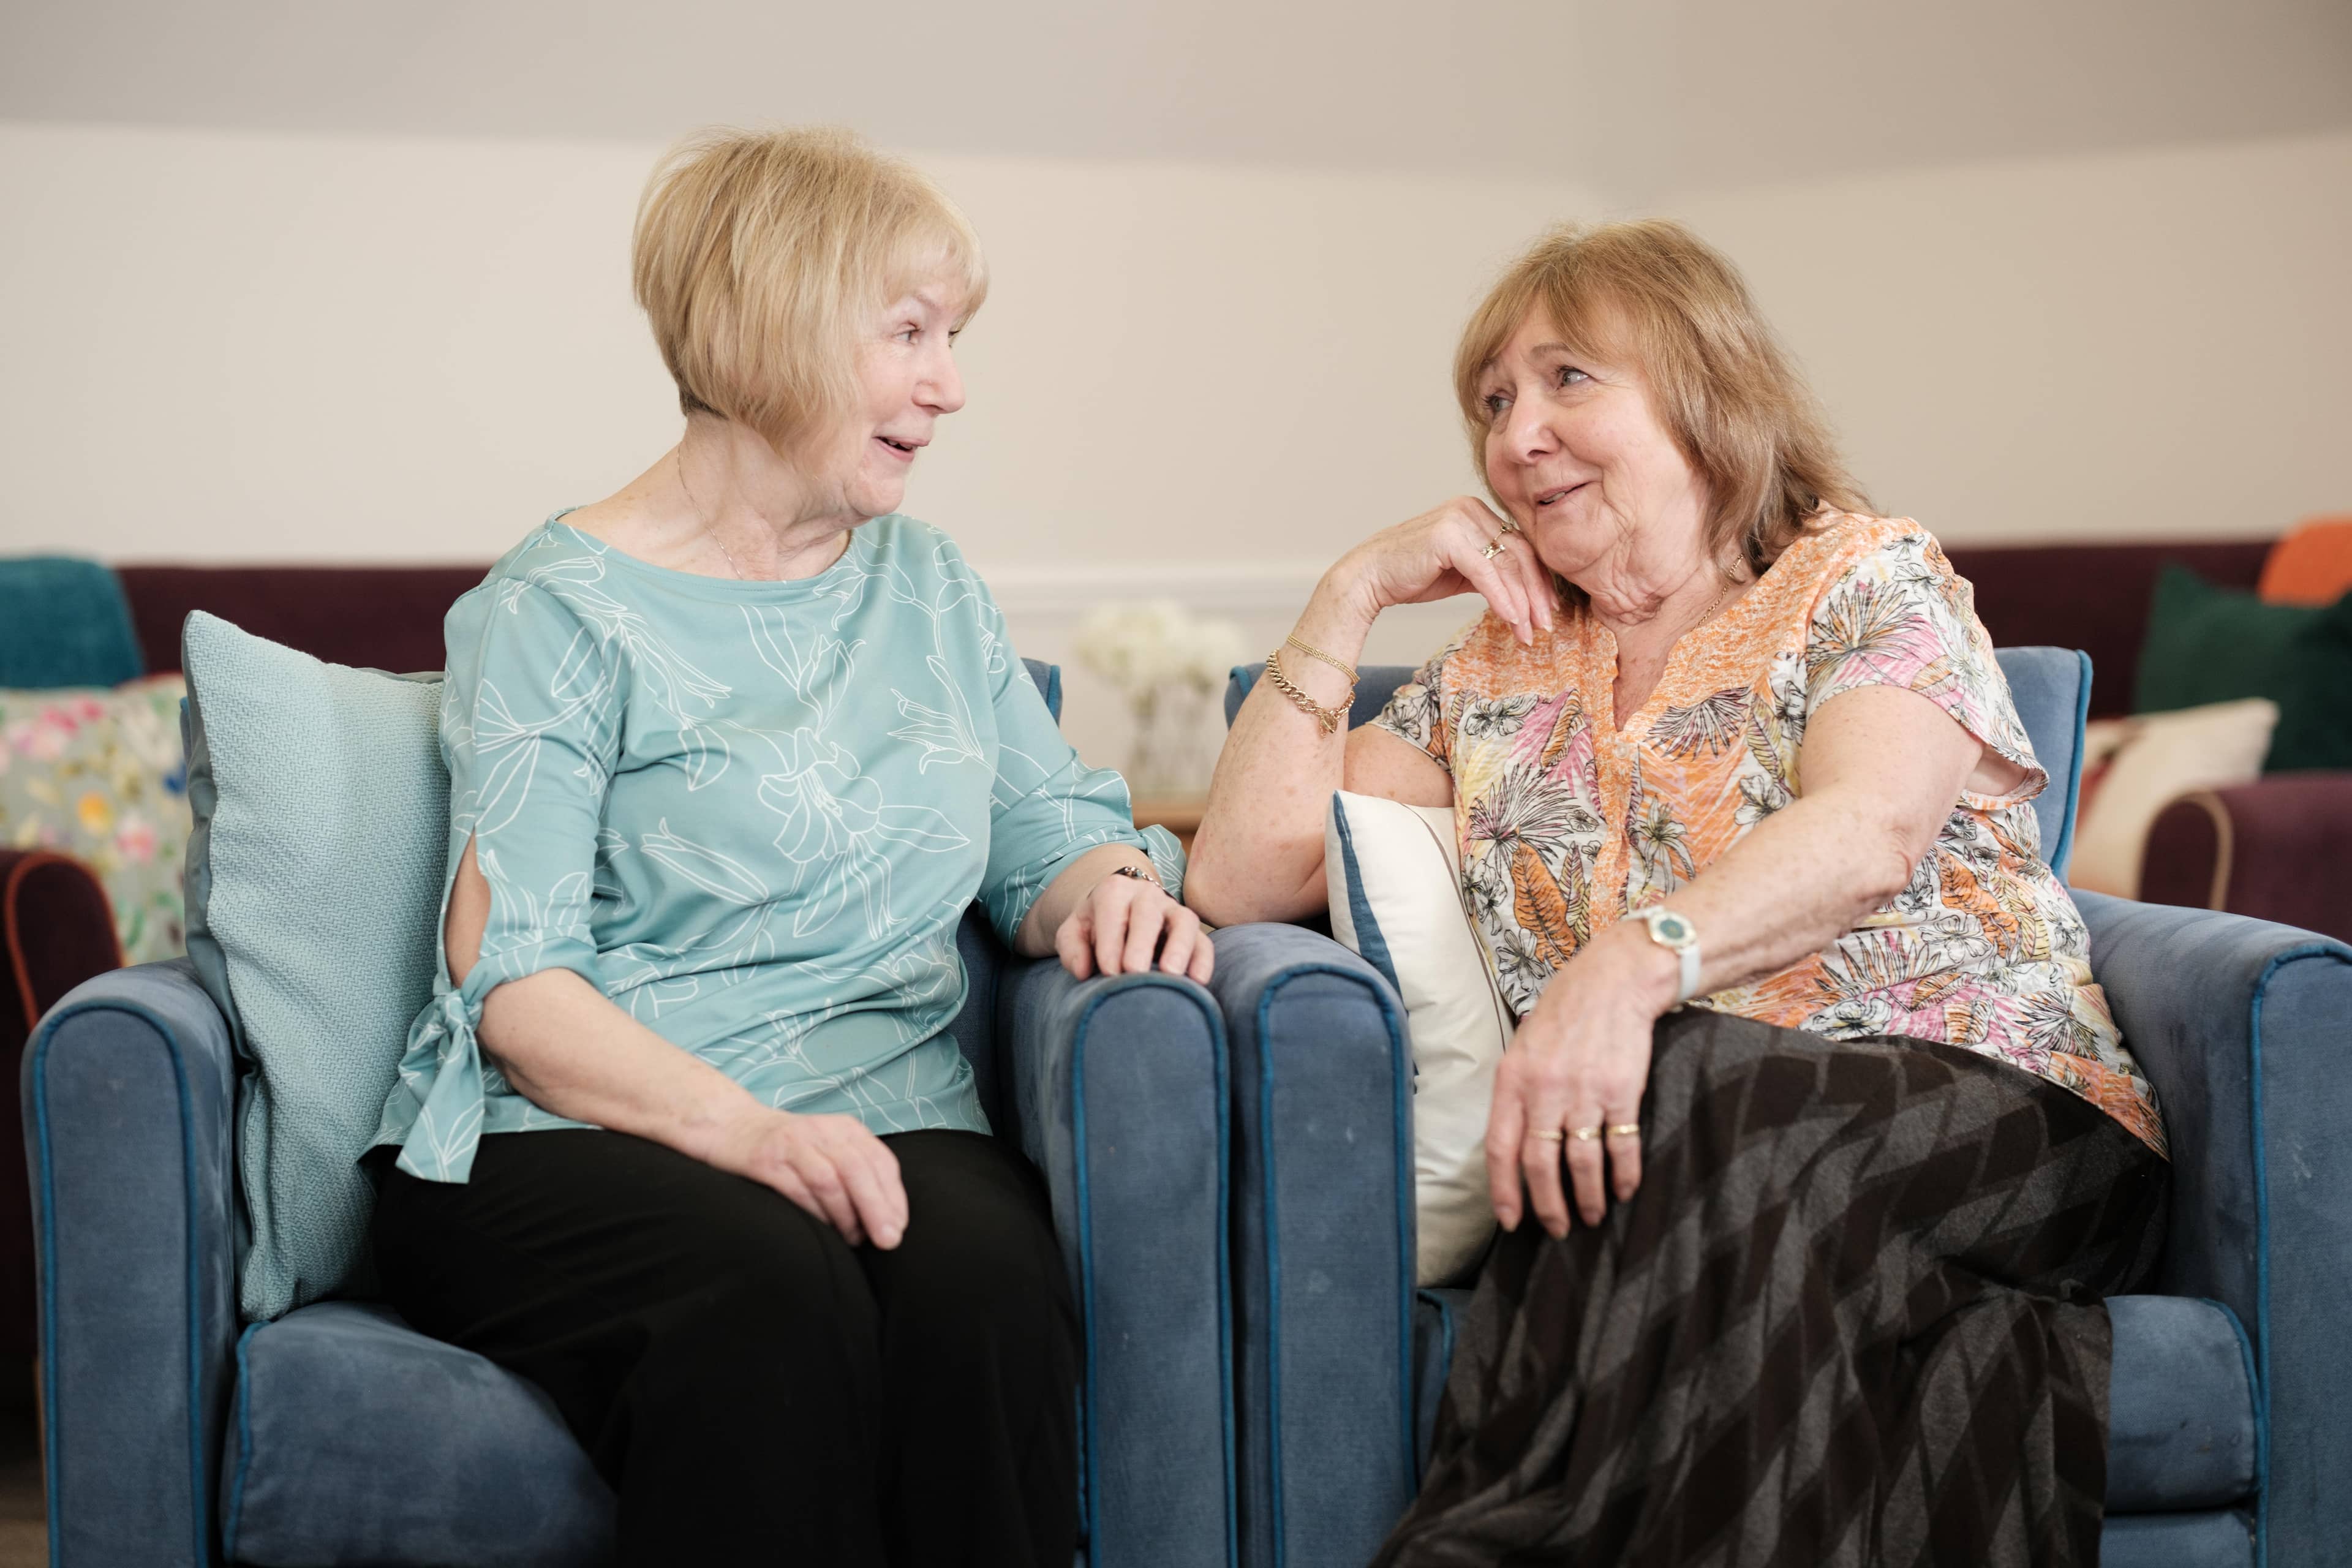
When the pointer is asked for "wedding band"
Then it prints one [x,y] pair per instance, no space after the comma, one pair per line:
[1624,1129]
[1585,1134]
[1493,550]
[1554,1136]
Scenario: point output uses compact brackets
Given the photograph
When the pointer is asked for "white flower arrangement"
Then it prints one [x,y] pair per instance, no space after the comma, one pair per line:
[1168,664]
[1143,647]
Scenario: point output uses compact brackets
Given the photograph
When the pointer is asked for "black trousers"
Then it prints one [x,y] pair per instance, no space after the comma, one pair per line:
[755,1389]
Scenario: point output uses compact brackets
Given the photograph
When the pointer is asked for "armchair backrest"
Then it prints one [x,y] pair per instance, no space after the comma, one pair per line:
[984,958]
[2051,685]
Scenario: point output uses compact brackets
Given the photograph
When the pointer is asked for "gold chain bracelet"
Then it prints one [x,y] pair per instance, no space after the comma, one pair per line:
[1329,719]
[1312,651]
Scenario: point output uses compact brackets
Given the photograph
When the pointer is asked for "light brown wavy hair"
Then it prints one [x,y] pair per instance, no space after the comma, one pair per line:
[759,254]
[1655,293]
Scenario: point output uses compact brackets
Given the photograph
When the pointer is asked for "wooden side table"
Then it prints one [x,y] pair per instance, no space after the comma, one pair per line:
[1180,814]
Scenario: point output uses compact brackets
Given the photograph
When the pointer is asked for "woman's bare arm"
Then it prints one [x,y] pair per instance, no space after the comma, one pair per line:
[567,1049]
[1259,853]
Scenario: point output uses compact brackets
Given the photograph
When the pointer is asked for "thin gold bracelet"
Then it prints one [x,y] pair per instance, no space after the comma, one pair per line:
[1329,719]
[1313,652]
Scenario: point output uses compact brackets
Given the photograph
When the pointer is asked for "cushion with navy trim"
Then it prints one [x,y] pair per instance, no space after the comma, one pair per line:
[1392,873]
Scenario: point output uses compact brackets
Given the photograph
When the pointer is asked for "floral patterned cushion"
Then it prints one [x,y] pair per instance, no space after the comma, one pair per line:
[97,774]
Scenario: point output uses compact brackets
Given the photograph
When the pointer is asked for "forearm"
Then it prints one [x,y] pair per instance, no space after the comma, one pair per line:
[1067,890]
[570,1050]
[1259,853]
[1800,879]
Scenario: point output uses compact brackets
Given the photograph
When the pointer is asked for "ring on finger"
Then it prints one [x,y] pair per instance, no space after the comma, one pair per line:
[1585,1134]
[1624,1130]
[1494,549]
[1552,1136]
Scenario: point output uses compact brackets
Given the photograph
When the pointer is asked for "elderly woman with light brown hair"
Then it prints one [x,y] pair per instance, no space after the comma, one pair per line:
[1831,1142]
[683,1136]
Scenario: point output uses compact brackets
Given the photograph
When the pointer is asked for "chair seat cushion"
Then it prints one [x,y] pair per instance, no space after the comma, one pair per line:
[2180,1417]
[2180,1406]
[356,1439]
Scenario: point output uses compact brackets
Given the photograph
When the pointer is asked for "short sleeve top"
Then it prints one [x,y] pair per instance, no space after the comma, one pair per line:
[1566,822]
[751,814]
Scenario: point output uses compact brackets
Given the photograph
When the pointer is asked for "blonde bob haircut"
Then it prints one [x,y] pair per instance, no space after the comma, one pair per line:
[760,255]
[1655,293]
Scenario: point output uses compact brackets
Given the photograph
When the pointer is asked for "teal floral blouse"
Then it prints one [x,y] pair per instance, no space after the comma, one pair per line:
[751,813]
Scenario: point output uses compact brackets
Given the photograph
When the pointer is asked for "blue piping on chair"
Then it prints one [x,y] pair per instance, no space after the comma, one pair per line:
[243,1443]
[1371,943]
[2263,1241]
[2254,1387]
[1090,1469]
[1401,1120]
[2056,860]
[200,1499]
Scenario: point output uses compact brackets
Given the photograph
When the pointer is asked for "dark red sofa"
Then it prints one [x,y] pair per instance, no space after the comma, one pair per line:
[2277,848]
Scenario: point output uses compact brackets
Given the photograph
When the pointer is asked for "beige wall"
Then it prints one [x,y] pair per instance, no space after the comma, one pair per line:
[2149,344]
[1189,381]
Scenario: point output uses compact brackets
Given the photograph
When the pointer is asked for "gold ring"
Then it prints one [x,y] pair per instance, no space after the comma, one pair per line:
[1554,1136]
[1624,1129]
[1509,526]
[1585,1134]
[1493,550]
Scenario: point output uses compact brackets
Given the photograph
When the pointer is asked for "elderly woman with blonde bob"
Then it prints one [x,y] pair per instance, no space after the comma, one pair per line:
[682,1136]
[1830,1140]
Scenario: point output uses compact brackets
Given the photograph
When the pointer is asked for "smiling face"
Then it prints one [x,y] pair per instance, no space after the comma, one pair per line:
[907,382]
[1580,458]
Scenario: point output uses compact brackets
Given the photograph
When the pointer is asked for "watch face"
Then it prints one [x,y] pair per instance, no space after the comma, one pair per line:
[1671,929]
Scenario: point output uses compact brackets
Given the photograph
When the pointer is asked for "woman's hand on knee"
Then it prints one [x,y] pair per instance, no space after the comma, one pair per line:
[1579,1063]
[830,1165]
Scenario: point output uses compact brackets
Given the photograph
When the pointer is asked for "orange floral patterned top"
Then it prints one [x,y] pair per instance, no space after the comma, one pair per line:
[1566,822]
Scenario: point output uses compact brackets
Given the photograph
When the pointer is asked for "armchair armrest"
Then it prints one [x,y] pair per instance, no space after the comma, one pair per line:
[1323,1246]
[55,931]
[2242,1025]
[1118,1095]
[128,1095]
[2279,849]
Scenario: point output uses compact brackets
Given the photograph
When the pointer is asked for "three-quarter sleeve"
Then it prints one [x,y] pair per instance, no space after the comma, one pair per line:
[1901,616]
[529,719]
[1046,808]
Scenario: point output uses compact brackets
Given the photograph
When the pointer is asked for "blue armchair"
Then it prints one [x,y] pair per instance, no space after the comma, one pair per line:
[176,1436]
[2231,1426]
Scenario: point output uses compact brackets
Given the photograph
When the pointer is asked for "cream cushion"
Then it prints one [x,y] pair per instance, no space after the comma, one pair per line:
[1393,879]
[2144,763]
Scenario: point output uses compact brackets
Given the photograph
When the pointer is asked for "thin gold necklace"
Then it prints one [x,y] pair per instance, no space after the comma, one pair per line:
[1720,595]
[709,530]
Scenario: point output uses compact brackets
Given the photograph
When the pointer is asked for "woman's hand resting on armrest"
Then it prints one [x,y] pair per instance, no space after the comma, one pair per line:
[1104,922]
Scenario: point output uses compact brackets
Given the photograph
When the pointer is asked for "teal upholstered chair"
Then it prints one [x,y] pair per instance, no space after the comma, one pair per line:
[177,1435]
[2230,1430]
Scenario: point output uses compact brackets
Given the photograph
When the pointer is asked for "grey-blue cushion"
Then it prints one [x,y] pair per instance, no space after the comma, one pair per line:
[357,1439]
[2180,1406]
[2221,1538]
[314,886]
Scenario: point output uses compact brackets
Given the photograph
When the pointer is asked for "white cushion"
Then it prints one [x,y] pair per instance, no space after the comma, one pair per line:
[1393,875]
[2135,767]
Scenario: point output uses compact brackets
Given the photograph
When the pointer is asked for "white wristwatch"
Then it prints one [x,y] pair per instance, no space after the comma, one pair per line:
[1679,937]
